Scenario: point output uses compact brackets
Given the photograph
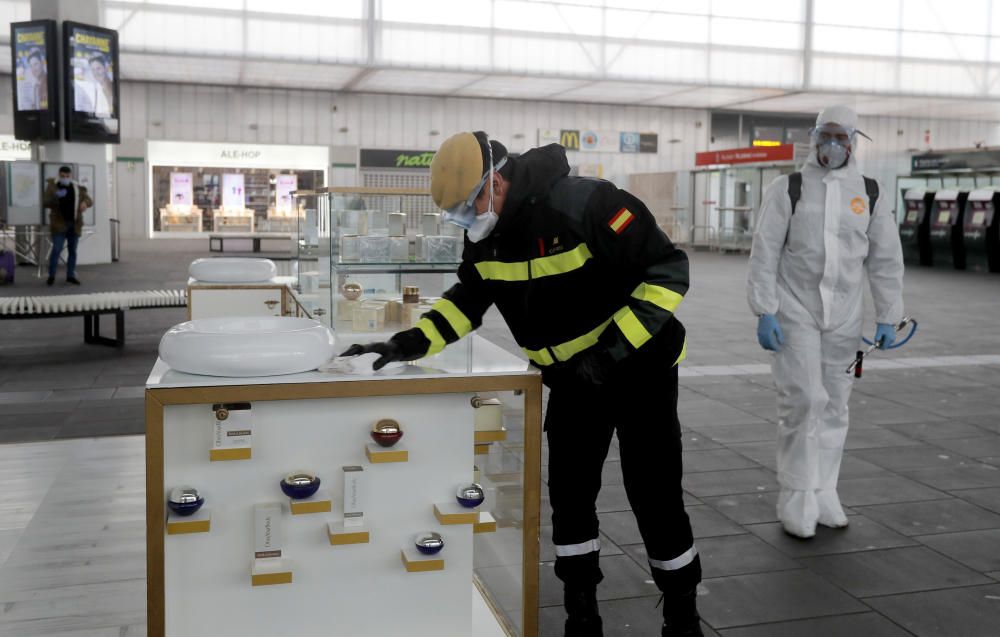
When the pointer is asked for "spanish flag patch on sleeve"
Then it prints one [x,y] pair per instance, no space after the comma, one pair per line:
[621,220]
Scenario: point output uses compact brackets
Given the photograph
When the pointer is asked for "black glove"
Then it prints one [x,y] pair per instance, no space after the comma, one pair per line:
[593,366]
[389,351]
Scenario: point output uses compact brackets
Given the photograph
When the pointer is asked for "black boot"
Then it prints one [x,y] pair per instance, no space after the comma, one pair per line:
[583,618]
[680,616]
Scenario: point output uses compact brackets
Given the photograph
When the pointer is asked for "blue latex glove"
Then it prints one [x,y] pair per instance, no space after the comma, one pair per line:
[61,192]
[769,333]
[885,335]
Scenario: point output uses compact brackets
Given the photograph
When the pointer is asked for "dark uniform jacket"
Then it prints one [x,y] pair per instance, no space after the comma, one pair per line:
[57,224]
[573,264]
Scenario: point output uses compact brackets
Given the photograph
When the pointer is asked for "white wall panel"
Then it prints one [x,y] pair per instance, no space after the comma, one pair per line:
[220,114]
[207,113]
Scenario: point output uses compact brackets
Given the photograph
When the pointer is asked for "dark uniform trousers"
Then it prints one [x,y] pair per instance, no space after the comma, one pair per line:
[641,406]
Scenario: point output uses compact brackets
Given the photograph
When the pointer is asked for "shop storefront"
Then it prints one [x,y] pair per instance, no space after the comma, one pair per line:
[246,188]
[727,189]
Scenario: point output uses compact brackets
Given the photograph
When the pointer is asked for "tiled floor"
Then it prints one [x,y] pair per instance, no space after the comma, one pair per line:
[921,477]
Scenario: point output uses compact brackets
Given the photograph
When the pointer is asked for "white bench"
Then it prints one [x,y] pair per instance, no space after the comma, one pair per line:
[91,307]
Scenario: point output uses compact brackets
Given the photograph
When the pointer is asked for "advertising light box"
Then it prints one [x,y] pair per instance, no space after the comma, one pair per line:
[33,76]
[91,75]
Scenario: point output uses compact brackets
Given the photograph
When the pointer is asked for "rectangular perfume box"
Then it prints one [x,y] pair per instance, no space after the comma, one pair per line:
[397,224]
[353,511]
[267,530]
[233,426]
[431,223]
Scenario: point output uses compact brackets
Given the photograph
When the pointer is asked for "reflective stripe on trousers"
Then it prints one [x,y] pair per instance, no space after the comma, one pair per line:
[572,550]
[678,562]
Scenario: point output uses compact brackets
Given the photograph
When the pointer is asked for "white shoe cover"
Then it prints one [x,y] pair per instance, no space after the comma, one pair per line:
[831,514]
[798,512]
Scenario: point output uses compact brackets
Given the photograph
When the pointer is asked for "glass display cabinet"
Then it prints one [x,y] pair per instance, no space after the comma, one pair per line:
[312,255]
[372,261]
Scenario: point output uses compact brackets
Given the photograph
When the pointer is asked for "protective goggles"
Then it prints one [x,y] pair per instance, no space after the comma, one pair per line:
[463,213]
[836,133]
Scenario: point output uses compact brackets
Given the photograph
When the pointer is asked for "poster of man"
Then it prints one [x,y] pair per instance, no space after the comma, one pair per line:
[32,69]
[93,74]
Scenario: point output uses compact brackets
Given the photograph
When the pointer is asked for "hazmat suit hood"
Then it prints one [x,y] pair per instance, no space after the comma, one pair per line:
[532,175]
[845,117]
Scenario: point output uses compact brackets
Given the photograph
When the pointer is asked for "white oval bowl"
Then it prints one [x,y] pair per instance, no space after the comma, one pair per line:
[247,346]
[232,270]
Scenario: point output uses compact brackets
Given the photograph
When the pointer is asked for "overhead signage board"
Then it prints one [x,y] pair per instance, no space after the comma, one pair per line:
[206,154]
[392,158]
[599,141]
[752,155]
[960,160]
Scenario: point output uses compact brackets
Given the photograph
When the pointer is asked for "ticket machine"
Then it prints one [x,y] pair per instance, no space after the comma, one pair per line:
[915,226]
[981,231]
[947,247]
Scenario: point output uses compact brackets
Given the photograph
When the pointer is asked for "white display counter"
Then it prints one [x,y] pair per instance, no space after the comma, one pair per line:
[202,575]
[267,298]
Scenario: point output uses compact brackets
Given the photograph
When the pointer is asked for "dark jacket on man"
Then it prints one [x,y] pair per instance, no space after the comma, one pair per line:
[574,265]
[57,221]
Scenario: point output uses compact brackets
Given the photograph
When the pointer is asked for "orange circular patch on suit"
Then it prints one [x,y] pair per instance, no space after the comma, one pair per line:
[857,205]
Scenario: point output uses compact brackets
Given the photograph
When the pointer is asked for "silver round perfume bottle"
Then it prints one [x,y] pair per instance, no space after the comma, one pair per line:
[470,495]
[300,484]
[428,542]
[184,500]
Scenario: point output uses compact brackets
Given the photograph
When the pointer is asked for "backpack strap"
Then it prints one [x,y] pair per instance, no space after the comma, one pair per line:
[871,189]
[795,189]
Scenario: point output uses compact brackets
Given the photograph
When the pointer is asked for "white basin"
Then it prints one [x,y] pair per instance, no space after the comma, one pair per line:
[232,270]
[247,346]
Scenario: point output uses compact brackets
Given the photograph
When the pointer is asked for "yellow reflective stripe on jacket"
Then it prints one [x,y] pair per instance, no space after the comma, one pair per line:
[456,319]
[659,296]
[560,263]
[539,357]
[539,267]
[629,324]
[565,351]
[501,271]
[684,353]
[433,335]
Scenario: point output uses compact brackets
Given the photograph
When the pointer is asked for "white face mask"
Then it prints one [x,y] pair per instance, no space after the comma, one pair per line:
[483,225]
[64,181]
[832,154]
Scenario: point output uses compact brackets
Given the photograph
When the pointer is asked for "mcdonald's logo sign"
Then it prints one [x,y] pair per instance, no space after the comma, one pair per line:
[569,139]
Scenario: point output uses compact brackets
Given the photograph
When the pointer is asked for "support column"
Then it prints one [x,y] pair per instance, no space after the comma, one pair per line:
[96,248]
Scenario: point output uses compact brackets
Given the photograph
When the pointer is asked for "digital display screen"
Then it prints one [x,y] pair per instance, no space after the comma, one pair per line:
[912,215]
[35,87]
[944,216]
[92,78]
[978,217]
[31,69]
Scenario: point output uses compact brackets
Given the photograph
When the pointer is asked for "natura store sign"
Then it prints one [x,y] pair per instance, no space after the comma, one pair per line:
[163,153]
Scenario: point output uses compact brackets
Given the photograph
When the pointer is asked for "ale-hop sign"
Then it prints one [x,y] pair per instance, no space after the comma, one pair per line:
[599,141]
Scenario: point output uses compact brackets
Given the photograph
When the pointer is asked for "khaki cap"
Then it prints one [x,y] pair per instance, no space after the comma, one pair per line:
[456,169]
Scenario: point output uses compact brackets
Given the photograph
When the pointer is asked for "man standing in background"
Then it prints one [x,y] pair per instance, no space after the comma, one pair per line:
[66,200]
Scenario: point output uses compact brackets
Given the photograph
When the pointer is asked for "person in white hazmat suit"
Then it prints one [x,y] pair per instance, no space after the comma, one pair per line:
[807,269]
